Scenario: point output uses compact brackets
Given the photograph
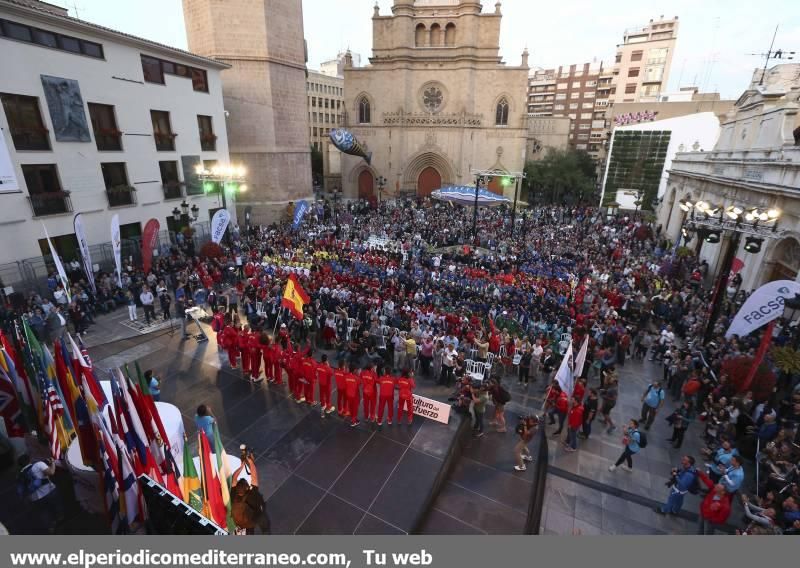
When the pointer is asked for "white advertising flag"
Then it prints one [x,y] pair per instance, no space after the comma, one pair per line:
[564,375]
[86,256]
[57,261]
[218,224]
[763,306]
[116,243]
[580,359]
[8,177]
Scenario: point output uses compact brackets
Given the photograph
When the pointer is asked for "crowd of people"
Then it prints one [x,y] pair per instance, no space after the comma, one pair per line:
[405,293]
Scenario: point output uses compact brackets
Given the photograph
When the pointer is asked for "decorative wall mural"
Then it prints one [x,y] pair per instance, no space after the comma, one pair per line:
[65,104]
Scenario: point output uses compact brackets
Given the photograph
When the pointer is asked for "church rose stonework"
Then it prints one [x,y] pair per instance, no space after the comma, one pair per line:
[435,102]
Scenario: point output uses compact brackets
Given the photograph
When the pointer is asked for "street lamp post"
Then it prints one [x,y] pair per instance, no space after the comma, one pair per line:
[381,184]
[479,181]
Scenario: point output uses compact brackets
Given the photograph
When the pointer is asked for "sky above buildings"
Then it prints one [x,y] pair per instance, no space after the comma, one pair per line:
[715,40]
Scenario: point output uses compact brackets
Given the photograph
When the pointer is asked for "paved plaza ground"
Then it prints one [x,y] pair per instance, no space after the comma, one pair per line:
[321,476]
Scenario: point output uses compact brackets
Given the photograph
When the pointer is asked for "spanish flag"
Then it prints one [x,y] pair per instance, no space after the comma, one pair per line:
[294,297]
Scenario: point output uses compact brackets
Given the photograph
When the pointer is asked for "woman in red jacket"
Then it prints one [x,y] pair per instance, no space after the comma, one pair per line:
[265,345]
[242,343]
[254,349]
[230,342]
[716,506]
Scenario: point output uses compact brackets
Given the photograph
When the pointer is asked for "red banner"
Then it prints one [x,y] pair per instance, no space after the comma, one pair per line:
[766,340]
[148,243]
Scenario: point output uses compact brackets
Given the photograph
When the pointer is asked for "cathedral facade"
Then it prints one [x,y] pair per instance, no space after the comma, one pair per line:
[436,103]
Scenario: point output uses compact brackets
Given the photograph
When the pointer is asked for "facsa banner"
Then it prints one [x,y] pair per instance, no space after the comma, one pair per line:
[80,234]
[763,306]
[149,237]
[116,244]
[433,409]
[218,224]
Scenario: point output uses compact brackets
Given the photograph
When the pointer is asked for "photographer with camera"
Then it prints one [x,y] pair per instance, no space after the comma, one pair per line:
[526,428]
[248,507]
[682,480]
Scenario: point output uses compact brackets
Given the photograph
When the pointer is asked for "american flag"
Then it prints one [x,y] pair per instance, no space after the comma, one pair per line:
[51,425]
[55,401]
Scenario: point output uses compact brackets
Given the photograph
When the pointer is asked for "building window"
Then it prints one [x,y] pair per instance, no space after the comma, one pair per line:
[561,96]
[154,70]
[653,74]
[170,182]
[586,116]
[559,107]
[587,105]
[584,126]
[618,58]
[315,132]
[574,95]
[104,125]
[436,35]
[364,111]
[162,131]
[637,55]
[46,196]
[633,72]
[118,191]
[208,140]
[327,101]
[501,113]
[25,122]
[657,56]
[576,85]
[573,106]
[53,40]
[630,88]
[450,35]
[561,86]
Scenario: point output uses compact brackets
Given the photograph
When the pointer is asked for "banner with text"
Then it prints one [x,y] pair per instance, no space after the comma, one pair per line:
[218,224]
[763,306]
[116,244]
[149,237]
[433,409]
[83,245]
[299,213]
[8,177]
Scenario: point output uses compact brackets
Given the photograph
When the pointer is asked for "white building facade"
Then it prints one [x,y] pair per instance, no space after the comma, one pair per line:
[755,164]
[98,122]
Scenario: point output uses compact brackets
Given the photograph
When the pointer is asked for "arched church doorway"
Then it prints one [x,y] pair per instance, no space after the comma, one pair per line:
[366,188]
[785,260]
[429,180]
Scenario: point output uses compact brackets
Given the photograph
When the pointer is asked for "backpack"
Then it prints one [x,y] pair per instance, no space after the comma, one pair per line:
[642,440]
[503,396]
[660,391]
[27,483]
[694,488]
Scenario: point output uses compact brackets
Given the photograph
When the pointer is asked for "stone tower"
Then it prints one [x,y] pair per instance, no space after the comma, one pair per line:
[264,93]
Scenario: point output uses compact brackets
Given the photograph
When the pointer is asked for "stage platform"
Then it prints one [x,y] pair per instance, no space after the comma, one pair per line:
[318,475]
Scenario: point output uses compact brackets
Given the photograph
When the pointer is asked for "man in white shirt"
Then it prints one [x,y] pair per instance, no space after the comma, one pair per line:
[147,299]
[536,358]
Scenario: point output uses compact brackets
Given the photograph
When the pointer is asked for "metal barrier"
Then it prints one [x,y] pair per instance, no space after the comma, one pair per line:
[540,453]
[30,274]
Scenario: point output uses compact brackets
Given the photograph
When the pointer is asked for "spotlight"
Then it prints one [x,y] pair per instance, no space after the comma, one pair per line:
[686,205]
[713,237]
[753,244]
[773,213]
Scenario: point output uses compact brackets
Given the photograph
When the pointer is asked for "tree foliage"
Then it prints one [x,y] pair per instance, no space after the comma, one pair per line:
[738,368]
[562,176]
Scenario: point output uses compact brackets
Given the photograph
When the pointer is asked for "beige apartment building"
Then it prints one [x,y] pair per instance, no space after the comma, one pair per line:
[325,106]
[643,61]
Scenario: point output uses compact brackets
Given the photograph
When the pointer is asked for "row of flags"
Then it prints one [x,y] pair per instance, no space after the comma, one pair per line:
[56,393]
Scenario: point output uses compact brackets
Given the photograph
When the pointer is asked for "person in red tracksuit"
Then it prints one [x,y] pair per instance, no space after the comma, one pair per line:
[230,341]
[244,351]
[266,353]
[368,379]
[340,375]
[385,397]
[309,374]
[275,357]
[324,377]
[219,323]
[294,368]
[254,347]
[352,384]
[405,403]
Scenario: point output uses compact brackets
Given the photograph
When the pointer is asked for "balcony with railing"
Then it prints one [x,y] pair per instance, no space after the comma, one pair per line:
[165,141]
[50,203]
[31,139]
[108,139]
[121,196]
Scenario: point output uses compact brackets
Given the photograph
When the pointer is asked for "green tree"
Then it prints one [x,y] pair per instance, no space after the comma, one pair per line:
[316,165]
[561,177]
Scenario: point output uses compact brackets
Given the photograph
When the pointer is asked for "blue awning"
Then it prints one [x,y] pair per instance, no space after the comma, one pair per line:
[465,195]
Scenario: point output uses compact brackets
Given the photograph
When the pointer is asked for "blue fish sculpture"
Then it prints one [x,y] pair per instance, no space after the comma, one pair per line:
[349,144]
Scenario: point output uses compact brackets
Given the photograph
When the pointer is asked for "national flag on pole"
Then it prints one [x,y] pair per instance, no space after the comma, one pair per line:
[213,507]
[50,406]
[9,405]
[12,365]
[190,481]
[109,468]
[225,474]
[580,359]
[564,376]
[294,297]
